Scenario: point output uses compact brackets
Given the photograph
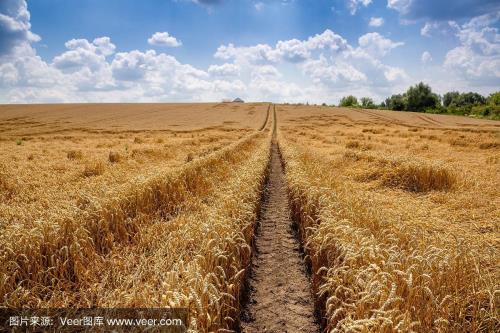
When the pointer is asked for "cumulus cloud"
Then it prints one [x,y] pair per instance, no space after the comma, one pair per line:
[376,22]
[427,28]
[326,60]
[318,68]
[353,5]
[426,57]
[28,70]
[224,70]
[260,53]
[377,45]
[293,50]
[84,54]
[478,55]
[442,10]
[331,72]
[265,72]
[92,71]
[164,39]
[289,70]
[394,73]
[104,46]
[15,26]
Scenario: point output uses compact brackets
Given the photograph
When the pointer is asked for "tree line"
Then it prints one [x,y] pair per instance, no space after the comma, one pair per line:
[421,98]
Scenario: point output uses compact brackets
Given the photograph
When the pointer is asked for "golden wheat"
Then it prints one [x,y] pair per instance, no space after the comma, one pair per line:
[379,274]
[383,258]
[191,226]
[399,220]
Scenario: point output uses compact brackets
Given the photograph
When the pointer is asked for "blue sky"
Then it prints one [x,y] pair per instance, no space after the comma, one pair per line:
[277,50]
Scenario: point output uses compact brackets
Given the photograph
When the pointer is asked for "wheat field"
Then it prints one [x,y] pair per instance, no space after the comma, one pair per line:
[156,205]
[399,217]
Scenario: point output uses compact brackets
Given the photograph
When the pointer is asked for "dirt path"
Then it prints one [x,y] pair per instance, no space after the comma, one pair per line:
[280,299]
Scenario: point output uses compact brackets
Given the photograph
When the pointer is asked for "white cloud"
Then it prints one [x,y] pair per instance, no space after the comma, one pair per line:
[426,57]
[427,28]
[15,26]
[259,6]
[83,54]
[376,22]
[353,5]
[394,74]
[401,6]
[131,66]
[438,29]
[327,40]
[226,69]
[28,70]
[377,45]
[91,71]
[260,53]
[478,55]
[323,71]
[292,50]
[104,46]
[164,39]
[8,74]
[265,72]
[320,68]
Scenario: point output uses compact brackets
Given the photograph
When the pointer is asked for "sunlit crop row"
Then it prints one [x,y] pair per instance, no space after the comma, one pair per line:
[376,272]
[66,261]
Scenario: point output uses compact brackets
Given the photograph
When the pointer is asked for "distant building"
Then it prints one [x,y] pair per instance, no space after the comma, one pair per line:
[238,100]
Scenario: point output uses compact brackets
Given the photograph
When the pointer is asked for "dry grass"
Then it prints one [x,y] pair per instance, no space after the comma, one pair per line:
[7,183]
[94,168]
[74,154]
[400,226]
[488,145]
[52,172]
[376,274]
[352,144]
[114,157]
[149,231]
[419,177]
[26,120]
[196,259]
[401,238]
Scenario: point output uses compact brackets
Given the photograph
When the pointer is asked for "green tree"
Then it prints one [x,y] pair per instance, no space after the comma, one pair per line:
[395,102]
[469,99]
[367,103]
[420,97]
[449,97]
[348,101]
[494,98]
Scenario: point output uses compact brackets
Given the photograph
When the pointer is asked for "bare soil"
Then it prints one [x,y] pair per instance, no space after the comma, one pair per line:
[280,298]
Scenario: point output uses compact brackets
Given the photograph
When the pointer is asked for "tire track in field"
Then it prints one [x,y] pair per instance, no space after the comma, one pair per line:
[430,121]
[379,116]
[280,298]
[266,120]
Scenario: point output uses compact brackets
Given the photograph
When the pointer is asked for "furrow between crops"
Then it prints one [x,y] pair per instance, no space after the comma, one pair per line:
[279,297]
[266,120]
